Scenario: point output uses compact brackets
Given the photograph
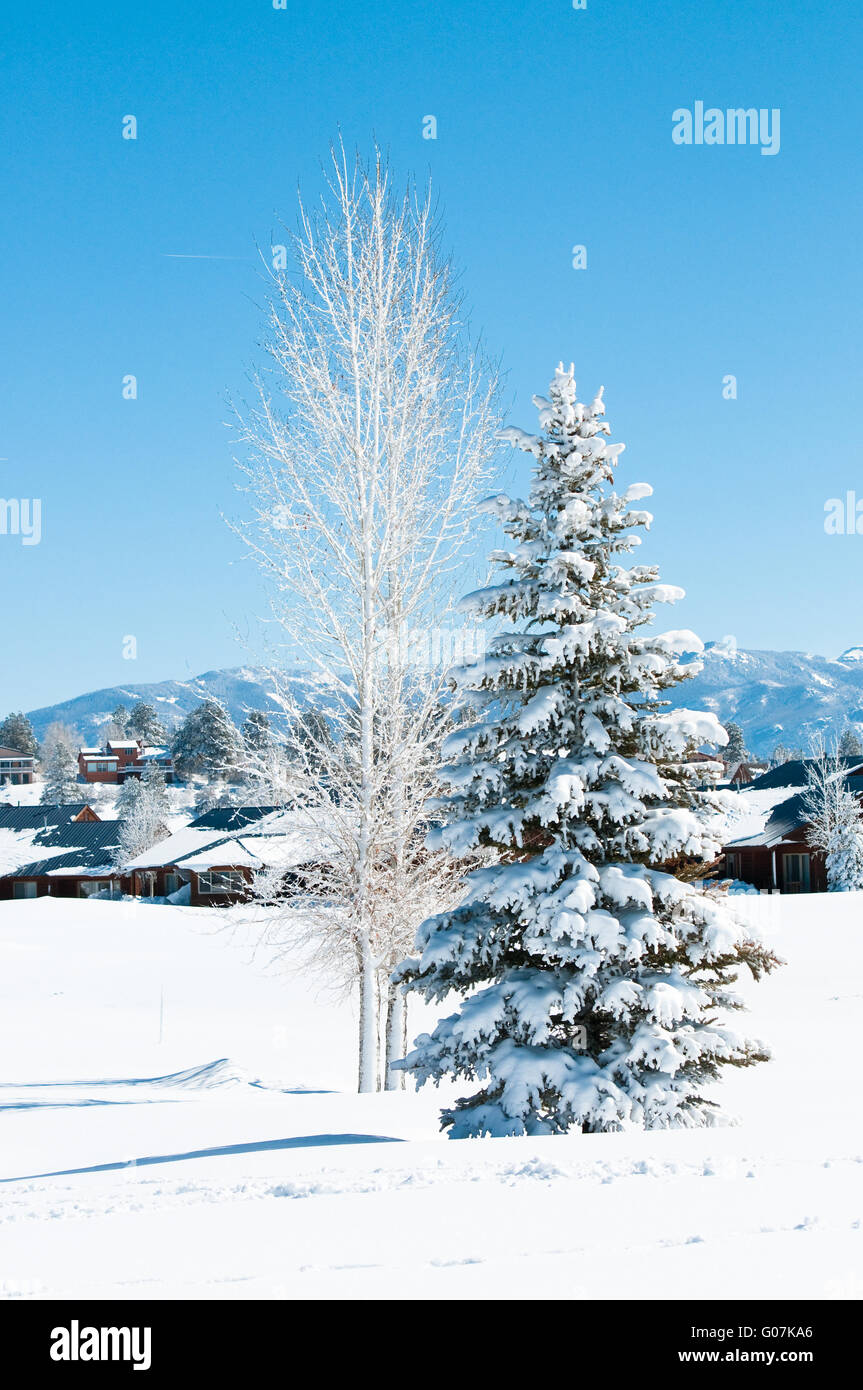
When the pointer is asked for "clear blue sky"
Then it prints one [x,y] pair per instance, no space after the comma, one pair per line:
[554,129]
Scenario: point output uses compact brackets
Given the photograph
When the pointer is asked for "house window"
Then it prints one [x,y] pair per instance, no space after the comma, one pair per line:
[796,873]
[221,882]
[733,864]
[23,890]
[93,887]
[172,883]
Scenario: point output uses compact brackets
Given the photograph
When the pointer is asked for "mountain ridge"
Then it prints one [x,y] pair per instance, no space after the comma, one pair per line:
[776,697]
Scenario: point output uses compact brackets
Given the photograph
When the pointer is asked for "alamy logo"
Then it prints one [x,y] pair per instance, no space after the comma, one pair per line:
[76,1343]
[735,126]
[844,515]
[21,517]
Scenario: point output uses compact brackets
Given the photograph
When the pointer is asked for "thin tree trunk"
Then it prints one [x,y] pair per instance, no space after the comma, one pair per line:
[396,1026]
[367,1079]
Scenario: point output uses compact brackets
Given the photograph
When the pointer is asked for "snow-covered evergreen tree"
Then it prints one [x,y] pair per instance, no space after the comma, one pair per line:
[735,749]
[215,795]
[849,744]
[594,980]
[266,778]
[144,723]
[60,777]
[142,808]
[118,724]
[153,781]
[127,797]
[16,732]
[836,819]
[207,744]
[256,732]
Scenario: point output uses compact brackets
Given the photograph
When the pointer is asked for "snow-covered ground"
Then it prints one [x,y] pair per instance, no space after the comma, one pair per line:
[232,1159]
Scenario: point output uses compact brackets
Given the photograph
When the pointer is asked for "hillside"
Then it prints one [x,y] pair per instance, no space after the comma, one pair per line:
[240,689]
[776,697]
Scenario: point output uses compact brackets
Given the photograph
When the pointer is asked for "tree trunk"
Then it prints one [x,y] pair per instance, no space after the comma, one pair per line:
[395,1049]
[367,1080]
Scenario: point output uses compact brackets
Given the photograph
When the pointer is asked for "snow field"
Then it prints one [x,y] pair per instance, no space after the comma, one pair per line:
[261,1188]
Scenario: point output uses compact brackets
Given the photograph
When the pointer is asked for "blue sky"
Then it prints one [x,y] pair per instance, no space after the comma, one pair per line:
[554,129]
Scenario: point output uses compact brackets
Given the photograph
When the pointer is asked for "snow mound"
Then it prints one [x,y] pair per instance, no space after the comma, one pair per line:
[222,1072]
[207,1077]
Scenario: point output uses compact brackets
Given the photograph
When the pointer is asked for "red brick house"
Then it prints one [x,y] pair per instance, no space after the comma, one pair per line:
[122,758]
[97,765]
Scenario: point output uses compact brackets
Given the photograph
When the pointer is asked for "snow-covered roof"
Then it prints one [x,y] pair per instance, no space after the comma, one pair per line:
[78,848]
[205,849]
[174,847]
[784,819]
[253,852]
[223,852]
[229,818]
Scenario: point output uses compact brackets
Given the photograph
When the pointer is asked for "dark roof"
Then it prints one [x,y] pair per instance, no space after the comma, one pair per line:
[232,817]
[75,859]
[84,834]
[787,816]
[91,846]
[36,817]
[792,774]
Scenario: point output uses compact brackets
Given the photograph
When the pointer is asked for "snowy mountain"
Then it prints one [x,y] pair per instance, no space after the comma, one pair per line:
[240,689]
[776,697]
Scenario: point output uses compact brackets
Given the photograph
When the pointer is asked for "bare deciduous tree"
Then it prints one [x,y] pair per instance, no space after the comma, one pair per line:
[364,456]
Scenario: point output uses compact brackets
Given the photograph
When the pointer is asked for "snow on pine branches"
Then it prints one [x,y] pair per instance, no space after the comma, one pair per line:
[595,983]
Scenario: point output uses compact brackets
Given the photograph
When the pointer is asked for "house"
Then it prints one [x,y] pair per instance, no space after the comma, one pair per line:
[74,858]
[780,858]
[217,867]
[122,758]
[737,774]
[16,769]
[98,765]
